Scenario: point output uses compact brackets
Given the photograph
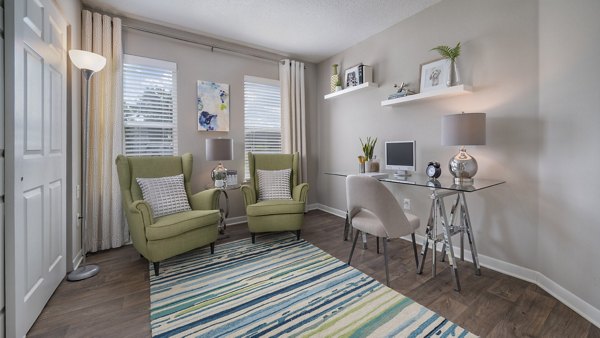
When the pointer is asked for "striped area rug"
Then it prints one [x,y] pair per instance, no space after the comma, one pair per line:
[281,287]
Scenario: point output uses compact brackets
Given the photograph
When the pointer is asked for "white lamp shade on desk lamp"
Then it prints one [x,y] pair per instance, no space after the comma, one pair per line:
[219,149]
[87,60]
[463,130]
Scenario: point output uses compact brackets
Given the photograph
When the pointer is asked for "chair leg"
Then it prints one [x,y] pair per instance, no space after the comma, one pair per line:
[377,240]
[212,248]
[253,237]
[156,267]
[297,235]
[385,260]
[415,249]
[353,246]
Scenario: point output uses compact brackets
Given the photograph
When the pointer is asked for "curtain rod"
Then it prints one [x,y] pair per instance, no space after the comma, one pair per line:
[211,47]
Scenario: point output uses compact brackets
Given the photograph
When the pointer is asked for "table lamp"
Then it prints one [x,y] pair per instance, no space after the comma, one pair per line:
[89,63]
[219,149]
[463,130]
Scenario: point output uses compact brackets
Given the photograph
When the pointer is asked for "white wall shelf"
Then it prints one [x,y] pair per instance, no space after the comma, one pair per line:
[449,91]
[351,89]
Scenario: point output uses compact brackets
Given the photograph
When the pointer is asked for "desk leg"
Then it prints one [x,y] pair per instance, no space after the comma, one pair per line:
[448,244]
[436,203]
[425,245]
[470,234]
[347,227]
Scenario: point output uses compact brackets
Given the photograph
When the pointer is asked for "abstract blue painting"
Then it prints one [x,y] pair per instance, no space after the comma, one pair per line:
[213,106]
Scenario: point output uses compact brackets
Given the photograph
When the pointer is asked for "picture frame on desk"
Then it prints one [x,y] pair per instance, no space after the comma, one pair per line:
[433,75]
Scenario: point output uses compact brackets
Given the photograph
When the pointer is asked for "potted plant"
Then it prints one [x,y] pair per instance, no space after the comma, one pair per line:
[450,54]
[368,147]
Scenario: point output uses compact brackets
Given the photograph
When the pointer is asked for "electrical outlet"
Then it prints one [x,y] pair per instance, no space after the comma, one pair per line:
[406,204]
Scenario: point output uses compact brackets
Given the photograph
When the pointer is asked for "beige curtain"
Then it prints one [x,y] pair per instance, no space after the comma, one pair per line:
[293,111]
[106,225]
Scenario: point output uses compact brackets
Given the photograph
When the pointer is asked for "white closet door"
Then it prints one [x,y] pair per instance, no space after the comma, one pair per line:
[2,310]
[36,160]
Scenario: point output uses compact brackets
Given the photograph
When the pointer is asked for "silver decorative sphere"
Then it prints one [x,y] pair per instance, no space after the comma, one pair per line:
[463,167]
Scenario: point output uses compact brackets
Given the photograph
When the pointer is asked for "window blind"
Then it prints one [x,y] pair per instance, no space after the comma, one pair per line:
[262,117]
[149,106]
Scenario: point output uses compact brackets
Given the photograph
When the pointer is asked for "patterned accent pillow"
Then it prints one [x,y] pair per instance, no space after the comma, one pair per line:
[274,184]
[166,195]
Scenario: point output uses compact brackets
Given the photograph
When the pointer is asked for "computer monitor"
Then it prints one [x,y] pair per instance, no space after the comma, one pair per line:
[400,156]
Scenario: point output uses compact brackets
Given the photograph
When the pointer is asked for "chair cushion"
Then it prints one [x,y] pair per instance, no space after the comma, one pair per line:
[275,207]
[274,184]
[177,224]
[367,222]
[166,195]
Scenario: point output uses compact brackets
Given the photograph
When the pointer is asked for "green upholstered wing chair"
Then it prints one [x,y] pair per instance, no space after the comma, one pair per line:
[170,235]
[274,215]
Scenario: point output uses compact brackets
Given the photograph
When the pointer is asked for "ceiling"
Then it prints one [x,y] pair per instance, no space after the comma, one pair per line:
[310,30]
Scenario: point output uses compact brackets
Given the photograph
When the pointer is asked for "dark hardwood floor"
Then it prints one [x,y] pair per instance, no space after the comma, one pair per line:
[116,303]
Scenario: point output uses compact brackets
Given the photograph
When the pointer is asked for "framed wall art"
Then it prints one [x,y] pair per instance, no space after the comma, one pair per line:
[434,75]
[213,106]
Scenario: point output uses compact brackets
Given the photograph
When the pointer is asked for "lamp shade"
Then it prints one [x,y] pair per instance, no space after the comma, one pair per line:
[463,129]
[219,149]
[87,60]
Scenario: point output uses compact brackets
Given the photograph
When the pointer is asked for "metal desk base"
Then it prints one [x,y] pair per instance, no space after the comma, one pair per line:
[437,215]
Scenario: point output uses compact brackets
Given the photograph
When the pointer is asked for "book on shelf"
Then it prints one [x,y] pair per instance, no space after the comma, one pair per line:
[365,74]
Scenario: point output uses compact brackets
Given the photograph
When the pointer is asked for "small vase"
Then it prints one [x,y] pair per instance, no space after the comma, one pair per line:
[368,166]
[454,77]
[335,78]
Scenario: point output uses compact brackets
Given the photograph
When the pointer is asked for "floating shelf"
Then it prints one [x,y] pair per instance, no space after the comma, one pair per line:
[449,91]
[351,89]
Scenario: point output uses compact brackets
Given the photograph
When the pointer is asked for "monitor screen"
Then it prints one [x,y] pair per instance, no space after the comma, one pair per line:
[400,155]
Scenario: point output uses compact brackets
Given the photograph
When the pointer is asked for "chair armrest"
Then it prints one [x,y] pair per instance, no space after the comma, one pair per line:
[299,193]
[249,195]
[206,200]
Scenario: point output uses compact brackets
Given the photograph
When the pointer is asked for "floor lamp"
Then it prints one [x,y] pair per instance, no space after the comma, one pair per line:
[89,63]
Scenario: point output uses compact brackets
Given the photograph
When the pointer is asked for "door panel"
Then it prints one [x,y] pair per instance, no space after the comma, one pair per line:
[34,87]
[34,16]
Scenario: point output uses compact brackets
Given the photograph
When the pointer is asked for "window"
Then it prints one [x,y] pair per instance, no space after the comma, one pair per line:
[262,117]
[149,106]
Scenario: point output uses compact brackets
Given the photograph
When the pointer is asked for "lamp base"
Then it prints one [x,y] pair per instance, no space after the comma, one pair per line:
[463,167]
[83,272]
[219,176]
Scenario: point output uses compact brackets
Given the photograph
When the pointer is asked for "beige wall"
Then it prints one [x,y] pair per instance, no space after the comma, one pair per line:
[71,10]
[569,229]
[500,60]
[532,68]
[198,63]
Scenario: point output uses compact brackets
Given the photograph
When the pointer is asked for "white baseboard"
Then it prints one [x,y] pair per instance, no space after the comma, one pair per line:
[236,220]
[583,308]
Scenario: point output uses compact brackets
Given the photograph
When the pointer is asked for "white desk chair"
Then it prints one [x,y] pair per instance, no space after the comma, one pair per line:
[373,209]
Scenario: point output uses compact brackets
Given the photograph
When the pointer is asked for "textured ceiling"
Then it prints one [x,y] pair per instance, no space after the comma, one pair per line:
[311,30]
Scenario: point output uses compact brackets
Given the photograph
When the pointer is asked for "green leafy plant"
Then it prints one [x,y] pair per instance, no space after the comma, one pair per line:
[448,52]
[368,147]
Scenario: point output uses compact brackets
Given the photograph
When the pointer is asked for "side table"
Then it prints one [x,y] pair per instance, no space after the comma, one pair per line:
[224,209]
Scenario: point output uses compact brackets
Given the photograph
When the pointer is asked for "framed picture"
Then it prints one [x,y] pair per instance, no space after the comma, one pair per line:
[351,77]
[434,75]
[213,106]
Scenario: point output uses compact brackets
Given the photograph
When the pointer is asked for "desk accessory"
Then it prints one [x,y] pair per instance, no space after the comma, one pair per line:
[219,149]
[462,130]
[89,63]
[433,170]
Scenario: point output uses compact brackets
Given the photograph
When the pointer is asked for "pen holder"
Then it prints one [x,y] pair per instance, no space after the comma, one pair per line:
[361,168]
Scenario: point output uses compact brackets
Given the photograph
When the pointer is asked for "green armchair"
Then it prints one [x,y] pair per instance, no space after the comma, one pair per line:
[274,215]
[163,237]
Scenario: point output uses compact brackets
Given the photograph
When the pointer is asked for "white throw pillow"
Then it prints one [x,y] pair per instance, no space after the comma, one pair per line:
[166,195]
[274,184]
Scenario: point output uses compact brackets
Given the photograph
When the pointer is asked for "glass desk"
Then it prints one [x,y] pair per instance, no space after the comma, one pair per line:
[449,225]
